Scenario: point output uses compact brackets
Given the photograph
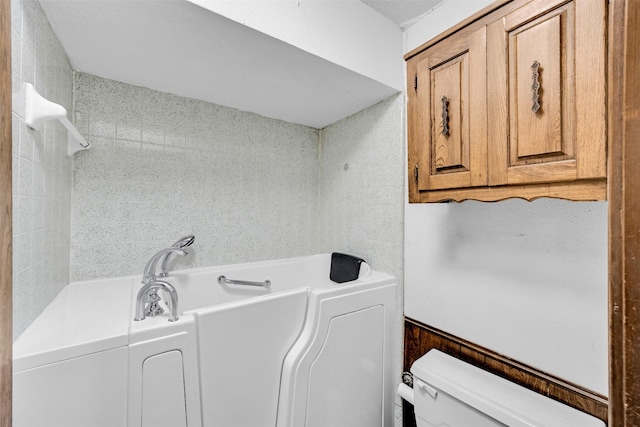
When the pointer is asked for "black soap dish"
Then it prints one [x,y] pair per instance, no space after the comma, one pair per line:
[344,267]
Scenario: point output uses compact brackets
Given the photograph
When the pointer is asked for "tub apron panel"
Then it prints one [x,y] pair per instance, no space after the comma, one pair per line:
[340,368]
[163,378]
[242,348]
[84,391]
[345,379]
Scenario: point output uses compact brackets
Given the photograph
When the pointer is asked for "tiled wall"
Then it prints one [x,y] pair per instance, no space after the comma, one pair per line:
[361,195]
[162,166]
[362,186]
[41,171]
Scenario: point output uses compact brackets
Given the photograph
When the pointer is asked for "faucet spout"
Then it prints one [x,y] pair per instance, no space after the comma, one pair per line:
[149,274]
[150,288]
[181,243]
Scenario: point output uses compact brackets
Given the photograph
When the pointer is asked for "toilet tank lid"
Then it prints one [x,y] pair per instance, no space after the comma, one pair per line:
[496,397]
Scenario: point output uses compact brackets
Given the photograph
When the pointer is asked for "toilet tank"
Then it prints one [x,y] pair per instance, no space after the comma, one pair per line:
[450,392]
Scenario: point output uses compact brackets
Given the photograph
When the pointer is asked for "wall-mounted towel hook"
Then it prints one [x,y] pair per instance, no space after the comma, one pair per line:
[38,110]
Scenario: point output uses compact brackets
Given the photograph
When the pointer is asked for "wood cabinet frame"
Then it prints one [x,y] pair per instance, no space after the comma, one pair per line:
[621,189]
[624,213]
[573,168]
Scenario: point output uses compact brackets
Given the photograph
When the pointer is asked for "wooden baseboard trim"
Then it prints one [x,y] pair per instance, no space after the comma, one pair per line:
[420,338]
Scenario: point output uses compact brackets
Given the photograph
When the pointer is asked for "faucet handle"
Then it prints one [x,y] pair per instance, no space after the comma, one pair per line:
[153,296]
[152,308]
[147,300]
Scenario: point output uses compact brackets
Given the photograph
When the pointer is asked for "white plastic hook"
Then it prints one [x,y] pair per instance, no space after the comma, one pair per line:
[38,110]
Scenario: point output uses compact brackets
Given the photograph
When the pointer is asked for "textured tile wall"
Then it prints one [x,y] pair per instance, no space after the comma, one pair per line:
[41,172]
[361,198]
[162,166]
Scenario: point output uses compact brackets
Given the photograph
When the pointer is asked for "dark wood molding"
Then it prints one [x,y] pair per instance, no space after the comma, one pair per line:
[614,180]
[6,311]
[583,190]
[420,338]
[624,213]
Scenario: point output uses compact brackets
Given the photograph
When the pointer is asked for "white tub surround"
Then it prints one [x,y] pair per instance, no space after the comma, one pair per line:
[85,318]
[278,351]
[73,355]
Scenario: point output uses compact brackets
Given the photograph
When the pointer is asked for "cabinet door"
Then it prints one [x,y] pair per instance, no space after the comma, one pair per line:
[449,114]
[546,69]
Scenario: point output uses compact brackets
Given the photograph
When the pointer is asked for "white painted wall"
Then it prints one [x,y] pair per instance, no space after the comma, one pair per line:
[526,279]
[348,33]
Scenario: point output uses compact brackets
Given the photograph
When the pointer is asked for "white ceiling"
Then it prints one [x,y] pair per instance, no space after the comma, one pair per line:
[402,12]
[181,48]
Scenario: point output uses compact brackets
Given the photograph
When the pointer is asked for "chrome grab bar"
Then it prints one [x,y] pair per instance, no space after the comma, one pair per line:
[224,281]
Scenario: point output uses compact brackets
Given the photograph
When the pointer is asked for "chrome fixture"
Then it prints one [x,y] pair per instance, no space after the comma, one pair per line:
[149,274]
[224,281]
[147,300]
[407,378]
[181,243]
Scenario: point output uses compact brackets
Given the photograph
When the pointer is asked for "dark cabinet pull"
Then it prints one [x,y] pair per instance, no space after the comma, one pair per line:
[445,116]
[535,87]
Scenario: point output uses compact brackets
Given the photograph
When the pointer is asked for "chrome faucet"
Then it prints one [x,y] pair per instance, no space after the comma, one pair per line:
[147,300]
[181,243]
[149,274]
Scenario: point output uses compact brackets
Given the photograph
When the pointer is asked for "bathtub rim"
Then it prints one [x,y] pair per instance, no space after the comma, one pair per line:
[47,340]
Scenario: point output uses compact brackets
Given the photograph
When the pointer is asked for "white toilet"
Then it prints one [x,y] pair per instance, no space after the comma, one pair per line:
[448,392]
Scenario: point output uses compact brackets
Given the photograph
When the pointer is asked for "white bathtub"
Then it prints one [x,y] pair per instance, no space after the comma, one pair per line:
[306,351]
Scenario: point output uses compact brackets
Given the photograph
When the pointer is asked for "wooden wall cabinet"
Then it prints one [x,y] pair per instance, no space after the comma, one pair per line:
[450,91]
[511,105]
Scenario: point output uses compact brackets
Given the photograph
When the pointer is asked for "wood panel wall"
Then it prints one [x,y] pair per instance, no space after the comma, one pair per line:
[5,216]
[624,213]
[420,338]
